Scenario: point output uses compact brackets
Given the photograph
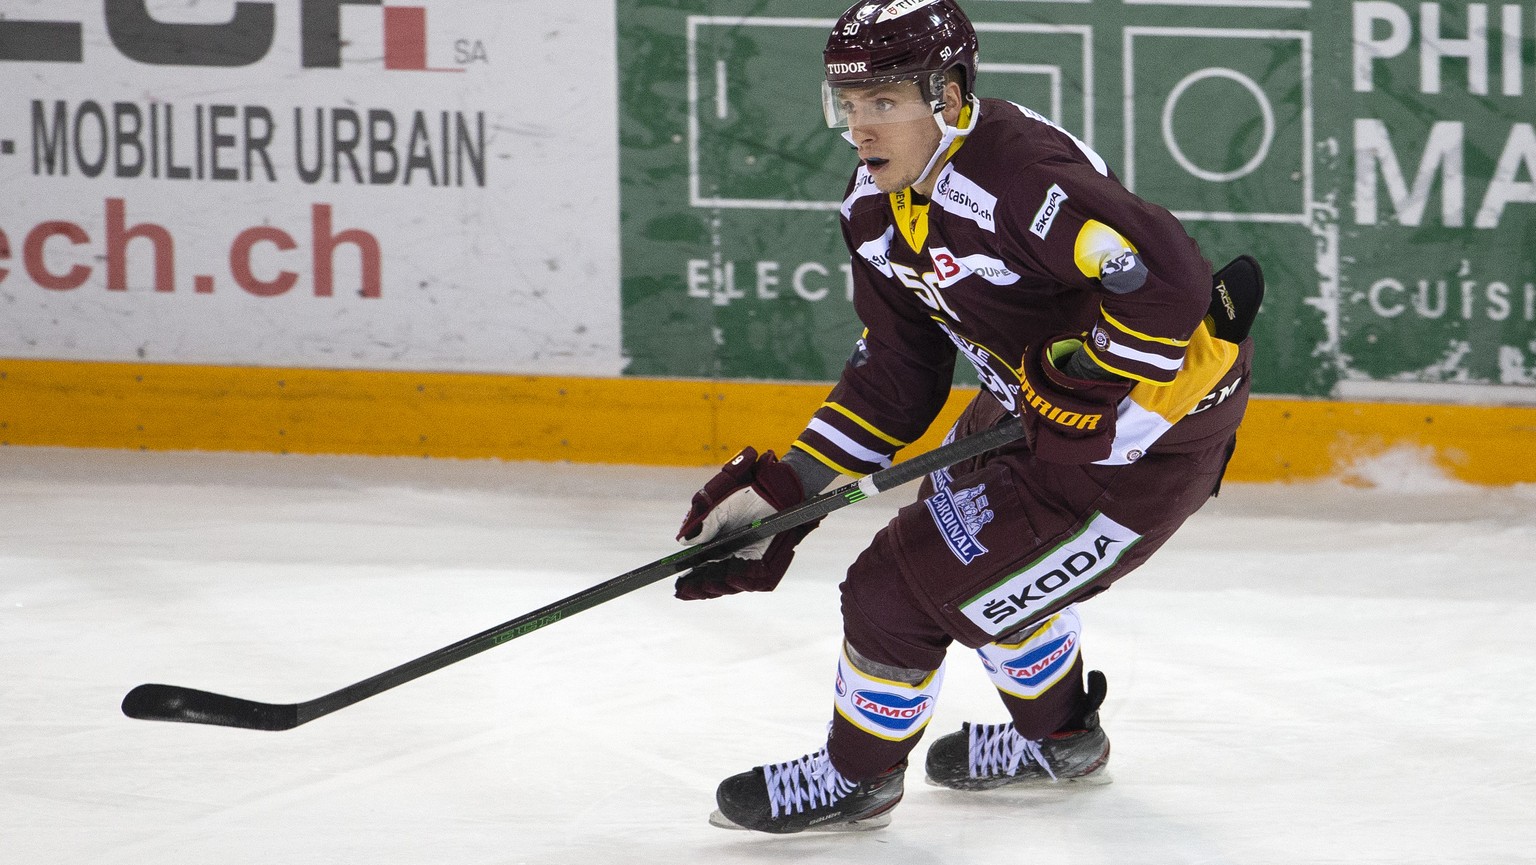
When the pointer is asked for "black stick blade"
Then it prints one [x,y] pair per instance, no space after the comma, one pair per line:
[191,706]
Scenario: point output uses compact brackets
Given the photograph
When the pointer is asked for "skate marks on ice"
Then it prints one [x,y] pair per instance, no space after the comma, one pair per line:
[1304,674]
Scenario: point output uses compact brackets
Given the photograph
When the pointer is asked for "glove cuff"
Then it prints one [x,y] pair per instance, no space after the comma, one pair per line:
[1053,363]
[777,482]
[1066,419]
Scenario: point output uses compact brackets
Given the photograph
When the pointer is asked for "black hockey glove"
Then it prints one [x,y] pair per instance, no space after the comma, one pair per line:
[1067,419]
[747,488]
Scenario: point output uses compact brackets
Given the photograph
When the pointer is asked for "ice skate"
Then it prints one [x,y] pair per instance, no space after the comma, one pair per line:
[806,794]
[987,756]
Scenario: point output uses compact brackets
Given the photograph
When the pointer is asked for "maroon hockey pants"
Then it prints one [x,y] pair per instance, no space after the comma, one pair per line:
[961,564]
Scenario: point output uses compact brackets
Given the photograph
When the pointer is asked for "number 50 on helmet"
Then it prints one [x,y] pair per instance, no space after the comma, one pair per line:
[893,42]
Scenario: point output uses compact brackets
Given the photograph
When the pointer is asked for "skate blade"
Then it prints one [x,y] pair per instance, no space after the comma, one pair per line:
[721,821]
[1097,779]
[878,821]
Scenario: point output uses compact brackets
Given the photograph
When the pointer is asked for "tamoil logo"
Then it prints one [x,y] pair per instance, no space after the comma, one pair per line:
[244,39]
[1042,663]
[891,711]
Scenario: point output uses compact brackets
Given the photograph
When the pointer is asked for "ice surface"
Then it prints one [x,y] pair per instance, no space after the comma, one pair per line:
[1308,674]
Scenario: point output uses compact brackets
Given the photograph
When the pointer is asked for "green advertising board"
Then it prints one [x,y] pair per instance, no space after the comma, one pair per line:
[1372,155]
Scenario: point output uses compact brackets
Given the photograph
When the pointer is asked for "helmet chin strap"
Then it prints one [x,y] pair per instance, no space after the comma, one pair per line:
[948,134]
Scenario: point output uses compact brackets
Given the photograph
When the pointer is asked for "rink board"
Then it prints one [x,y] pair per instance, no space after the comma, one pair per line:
[641,421]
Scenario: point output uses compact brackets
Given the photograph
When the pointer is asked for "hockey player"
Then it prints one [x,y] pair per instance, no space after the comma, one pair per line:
[981,229]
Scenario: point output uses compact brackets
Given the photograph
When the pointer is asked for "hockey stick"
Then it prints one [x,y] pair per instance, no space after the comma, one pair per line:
[1236,295]
[189,705]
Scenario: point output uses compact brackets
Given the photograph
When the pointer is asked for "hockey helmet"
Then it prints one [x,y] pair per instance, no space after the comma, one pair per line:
[898,40]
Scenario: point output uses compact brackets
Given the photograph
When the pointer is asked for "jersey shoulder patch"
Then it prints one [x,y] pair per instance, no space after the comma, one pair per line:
[1050,208]
[1103,253]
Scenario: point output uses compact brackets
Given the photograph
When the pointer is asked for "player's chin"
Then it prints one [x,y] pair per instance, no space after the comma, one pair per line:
[888,179]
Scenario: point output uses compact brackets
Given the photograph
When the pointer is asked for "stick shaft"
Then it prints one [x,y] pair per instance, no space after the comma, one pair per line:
[811,509]
[173,703]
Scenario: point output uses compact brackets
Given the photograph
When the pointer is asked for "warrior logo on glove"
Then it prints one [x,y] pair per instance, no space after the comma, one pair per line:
[1066,420]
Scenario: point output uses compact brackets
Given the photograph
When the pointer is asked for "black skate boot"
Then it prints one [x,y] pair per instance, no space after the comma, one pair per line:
[985,756]
[807,794]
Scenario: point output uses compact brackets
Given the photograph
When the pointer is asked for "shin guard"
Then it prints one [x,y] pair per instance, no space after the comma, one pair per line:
[1040,677]
[878,721]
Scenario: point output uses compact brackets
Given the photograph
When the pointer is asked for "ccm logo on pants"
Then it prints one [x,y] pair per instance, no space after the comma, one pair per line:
[1051,578]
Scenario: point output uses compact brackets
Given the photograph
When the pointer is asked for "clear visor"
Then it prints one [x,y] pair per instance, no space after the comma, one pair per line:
[868,104]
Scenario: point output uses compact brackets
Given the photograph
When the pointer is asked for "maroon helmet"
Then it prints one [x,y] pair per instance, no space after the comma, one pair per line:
[874,43]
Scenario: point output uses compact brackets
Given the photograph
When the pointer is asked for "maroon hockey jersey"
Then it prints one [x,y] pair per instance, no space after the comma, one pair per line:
[1027,235]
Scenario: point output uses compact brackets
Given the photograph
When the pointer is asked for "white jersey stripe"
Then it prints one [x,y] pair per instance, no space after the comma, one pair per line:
[1092,155]
[1146,357]
[848,445]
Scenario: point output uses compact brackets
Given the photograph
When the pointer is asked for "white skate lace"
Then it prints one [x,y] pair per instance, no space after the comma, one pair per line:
[999,749]
[805,783]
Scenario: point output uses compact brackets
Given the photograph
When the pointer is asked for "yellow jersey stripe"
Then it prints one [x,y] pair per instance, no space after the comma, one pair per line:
[1208,362]
[866,425]
[1177,343]
[1092,355]
[827,461]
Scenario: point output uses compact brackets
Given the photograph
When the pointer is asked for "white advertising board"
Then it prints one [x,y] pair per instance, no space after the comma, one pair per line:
[411,185]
